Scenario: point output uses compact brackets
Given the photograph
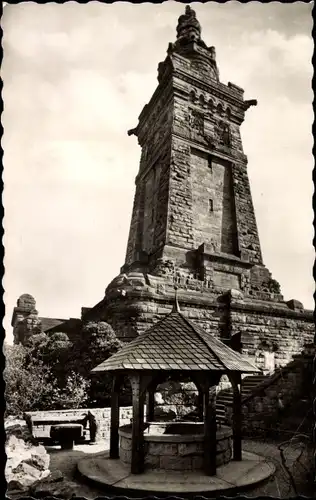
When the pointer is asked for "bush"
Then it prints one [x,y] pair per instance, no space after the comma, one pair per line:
[97,343]
[31,384]
[27,387]
[50,372]
[179,395]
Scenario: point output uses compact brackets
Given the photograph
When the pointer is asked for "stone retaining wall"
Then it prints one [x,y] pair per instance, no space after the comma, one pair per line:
[41,421]
[102,415]
[263,409]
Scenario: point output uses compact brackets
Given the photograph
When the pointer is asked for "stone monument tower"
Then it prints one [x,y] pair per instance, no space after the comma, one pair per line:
[193,220]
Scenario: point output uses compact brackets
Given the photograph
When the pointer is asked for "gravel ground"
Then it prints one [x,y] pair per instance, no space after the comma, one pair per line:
[279,486]
[66,461]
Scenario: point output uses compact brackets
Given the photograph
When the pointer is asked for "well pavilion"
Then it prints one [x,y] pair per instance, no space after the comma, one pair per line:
[175,346]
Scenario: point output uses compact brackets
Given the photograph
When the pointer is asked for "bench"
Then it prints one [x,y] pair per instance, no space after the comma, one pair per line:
[66,435]
[41,426]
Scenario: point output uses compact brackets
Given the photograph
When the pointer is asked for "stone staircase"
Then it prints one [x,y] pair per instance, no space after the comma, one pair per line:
[225,397]
[293,416]
[298,418]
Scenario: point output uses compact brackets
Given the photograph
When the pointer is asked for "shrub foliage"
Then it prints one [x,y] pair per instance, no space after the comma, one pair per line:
[51,372]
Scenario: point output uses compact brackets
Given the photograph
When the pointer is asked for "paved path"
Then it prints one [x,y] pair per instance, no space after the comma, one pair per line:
[277,486]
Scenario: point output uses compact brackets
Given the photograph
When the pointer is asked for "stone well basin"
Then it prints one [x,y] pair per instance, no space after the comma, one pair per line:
[175,445]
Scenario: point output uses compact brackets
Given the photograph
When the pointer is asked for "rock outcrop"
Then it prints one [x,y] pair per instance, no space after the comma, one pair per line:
[54,485]
[27,461]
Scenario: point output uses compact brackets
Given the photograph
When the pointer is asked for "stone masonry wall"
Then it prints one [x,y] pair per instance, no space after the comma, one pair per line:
[213,213]
[287,329]
[179,455]
[288,333]
[102,416]
[134,240]
[149,216]
[249,244]
[263,410]
[41,428]
[180,217]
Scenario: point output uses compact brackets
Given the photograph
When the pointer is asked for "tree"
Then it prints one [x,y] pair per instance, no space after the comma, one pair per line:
[51,372]
[97,343]
[38,378]
[74,393]
[27,387]
[54,351]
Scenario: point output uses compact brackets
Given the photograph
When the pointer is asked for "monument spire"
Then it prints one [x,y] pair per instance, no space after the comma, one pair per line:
[190,45]
[193,223]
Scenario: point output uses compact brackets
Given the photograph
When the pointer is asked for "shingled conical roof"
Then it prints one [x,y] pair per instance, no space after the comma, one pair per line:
[176,343]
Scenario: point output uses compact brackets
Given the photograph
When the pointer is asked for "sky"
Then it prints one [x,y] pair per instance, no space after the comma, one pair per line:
[76,77]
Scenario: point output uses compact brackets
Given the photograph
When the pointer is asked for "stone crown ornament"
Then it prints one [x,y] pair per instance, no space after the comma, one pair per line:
[189,28]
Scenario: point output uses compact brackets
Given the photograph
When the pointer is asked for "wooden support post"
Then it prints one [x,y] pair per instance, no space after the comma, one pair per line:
[237,420]
[210,432]
[115,420]
[137,465]
[150,408]
[200,404]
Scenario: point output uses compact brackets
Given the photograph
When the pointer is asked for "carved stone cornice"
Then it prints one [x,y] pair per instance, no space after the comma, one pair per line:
[217,89]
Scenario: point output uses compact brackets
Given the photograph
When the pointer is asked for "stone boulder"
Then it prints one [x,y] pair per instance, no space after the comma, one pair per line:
[164,415]
[27,461]
[158,398]
[26,474]
[54,485]
[19,428]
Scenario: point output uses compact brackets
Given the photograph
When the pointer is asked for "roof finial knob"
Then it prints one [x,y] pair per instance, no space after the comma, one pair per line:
[176,307]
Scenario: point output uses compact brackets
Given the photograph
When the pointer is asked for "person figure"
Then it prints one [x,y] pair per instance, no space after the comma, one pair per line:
[92,426]
[90,418]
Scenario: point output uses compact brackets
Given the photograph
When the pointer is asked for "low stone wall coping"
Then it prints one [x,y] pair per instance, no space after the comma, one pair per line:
[222,433]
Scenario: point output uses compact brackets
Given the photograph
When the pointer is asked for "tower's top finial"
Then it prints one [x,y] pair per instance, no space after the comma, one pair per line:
[189,28]
[176,307]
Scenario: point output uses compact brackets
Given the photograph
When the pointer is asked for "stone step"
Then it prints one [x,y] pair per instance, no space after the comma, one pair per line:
[253,380]
[220,412]
[224,393]
[220,405]
[226,401]
[221,418]
[255,377]
[225,397]
[249,387]
[251,384]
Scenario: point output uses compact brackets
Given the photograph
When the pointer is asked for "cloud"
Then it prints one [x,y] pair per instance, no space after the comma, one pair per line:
[257,65]
[76,77]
